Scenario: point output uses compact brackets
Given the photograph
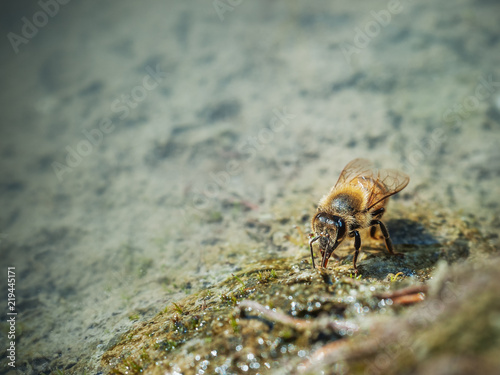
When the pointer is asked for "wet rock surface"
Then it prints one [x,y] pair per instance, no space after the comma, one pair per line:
[435,308]
[148,158]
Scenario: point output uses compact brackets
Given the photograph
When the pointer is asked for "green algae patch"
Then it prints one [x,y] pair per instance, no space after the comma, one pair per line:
[282,316]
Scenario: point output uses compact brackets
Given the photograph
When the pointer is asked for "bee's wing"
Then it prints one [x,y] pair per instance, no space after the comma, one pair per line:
[387,183]
[355,169]
[380,183]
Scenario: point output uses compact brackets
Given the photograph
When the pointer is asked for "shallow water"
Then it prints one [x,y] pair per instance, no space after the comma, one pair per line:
[150,150]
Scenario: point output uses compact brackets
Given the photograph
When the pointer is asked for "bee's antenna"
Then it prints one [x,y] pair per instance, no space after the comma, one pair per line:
[311,246]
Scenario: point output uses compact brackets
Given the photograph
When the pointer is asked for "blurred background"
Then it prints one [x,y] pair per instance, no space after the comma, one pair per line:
[141,140]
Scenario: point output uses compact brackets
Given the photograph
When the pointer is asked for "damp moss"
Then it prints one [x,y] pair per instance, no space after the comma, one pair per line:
[209,331]
[133,317]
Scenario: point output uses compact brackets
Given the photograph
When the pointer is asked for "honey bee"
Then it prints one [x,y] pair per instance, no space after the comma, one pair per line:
[356,202]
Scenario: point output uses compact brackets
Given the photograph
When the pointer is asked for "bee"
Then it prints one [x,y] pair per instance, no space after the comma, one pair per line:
[356,202]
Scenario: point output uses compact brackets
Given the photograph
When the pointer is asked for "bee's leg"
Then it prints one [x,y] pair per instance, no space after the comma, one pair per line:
[387,238]
[357,246]
[377,214]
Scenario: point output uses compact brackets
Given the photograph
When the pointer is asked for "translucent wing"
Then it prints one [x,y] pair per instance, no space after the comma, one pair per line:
[380,184]
[387,183]
[355,169]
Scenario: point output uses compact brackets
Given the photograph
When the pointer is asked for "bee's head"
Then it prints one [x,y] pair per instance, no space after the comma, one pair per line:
[328,228]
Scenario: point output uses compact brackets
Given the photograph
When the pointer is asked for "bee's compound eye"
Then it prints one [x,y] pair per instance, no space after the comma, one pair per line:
[326,220]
